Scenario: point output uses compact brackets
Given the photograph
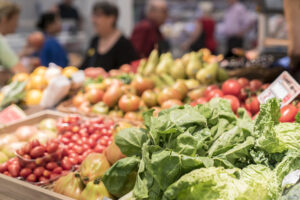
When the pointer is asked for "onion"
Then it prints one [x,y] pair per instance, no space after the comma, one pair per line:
[6,139]
[10,149]
[24,133]
[44,136]
[48,125]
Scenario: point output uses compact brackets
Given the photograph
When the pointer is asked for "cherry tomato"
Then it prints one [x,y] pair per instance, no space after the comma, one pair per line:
[99,148]
[288,113]
[68,134]
[51,165]
[3,167]
[31,178]
[243,82]
[234,102]
[75,138]
[52,147]
[14,170]
[215,93]
[209,89]
[30,165]
[103,142]
[91,142]
[58,170]
[46,173]
[43,180]
[231,87]
[65,140]
[78,149]
[39,171]
[25,172]
[73,160]
[66,164]
[255,85]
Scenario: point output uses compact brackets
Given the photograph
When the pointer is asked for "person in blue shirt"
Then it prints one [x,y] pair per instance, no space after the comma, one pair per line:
[51,51]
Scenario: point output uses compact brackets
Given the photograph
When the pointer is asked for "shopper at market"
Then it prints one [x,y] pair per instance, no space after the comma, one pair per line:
[52,50]
[204,34]
[69,13]
[146,35]
[109,48]
[235,25]
[9,16]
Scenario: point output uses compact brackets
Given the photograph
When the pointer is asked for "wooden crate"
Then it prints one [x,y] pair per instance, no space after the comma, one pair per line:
[14,189]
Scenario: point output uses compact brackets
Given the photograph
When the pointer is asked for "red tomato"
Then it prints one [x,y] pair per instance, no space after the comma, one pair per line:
[215,93]
[234,102]
[78,149]
[243,95]
[129,103]
[99,148]
[288,113]
[46,173]
[243,82]
[255,85]
[231,87]
[91,142]
[252,105]
[142,84]
[168,93]
[73,160]
[171,103]
[201,100]
[209,89]
[95,95]
[112,96]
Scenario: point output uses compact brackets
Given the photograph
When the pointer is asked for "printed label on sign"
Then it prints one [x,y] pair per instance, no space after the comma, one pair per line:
[285,87]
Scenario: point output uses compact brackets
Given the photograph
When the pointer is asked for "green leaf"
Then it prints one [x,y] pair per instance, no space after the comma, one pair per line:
[131,140]
[121,177]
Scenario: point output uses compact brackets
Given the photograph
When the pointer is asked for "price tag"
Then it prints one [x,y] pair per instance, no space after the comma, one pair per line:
[285,87]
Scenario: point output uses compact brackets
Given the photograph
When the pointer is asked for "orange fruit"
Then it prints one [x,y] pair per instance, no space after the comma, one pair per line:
[37,82]
[41,70]
[33,97]
[20,77]
[69,71]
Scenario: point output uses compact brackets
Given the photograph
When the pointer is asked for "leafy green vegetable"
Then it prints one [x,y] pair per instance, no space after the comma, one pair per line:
[207,151]
[120,178]
[131,141]
[15,93]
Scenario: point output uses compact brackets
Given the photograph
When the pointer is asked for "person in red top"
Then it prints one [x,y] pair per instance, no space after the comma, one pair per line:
[204,33]
[146,35]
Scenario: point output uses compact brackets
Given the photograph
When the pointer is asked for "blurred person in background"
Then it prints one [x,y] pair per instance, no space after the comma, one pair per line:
[69,15]
[109,49]
[203,35]
[51,50]
[147,35]
[235,25]
[9,16]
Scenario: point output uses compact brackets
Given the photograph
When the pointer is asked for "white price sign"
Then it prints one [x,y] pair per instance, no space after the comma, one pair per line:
[285,87]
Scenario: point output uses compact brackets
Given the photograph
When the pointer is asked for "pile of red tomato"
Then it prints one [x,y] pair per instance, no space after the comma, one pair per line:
[240,92]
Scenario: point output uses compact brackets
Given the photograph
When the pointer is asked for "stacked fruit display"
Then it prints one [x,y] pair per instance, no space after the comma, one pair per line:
[129,99]
[239,92]
[28,88]
[42,163]
[86,184]
[201,67]
[36,162]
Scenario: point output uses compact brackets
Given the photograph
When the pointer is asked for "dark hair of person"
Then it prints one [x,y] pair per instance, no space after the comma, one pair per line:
[107,9]
[45,20]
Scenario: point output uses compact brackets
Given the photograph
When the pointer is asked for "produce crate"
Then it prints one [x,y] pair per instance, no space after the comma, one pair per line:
[31,120]
[68,107]
[14,189]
